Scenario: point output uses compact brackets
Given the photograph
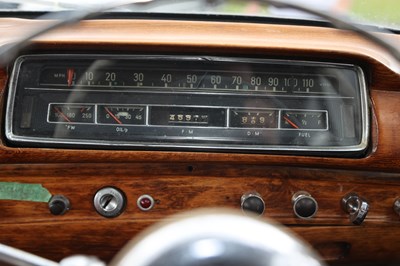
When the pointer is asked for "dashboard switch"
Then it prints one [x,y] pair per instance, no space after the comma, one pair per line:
[304,205]
[253,203]
[357,207]
[59,205]
[109,202]
[145,202]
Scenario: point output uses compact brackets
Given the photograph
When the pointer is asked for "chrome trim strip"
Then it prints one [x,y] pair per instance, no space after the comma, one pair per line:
[198,93]
[364,108]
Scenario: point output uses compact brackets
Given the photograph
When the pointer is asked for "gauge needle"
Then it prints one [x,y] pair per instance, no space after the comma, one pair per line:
[70,76]
[290,122]
[85,109]
[113,116]
[62,114]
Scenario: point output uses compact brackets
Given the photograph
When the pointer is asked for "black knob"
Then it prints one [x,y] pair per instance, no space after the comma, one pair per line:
[58,205]
[252,203]
[304,206]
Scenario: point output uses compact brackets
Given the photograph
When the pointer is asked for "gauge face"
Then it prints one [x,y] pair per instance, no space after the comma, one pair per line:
[121,115]
[68,113]
[253,119]
[304,120]
[189,80]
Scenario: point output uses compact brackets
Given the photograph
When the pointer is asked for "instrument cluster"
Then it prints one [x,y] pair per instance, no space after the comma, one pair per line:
[186,103]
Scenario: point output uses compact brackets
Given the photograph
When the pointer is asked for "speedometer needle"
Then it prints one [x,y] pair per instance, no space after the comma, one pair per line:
[70,76]
[290,122]
[113,116]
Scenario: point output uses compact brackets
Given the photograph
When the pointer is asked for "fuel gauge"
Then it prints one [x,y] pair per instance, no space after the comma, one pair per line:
[121,115]
[310,120]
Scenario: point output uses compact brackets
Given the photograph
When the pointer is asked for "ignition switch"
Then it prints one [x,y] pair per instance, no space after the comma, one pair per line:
[109,202]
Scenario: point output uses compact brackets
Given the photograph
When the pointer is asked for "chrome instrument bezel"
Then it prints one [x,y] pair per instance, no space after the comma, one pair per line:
[17,139]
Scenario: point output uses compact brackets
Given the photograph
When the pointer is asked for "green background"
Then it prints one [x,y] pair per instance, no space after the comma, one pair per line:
[381,12]
[385,12]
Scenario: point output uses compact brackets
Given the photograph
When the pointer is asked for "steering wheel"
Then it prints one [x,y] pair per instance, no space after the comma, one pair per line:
[218,237]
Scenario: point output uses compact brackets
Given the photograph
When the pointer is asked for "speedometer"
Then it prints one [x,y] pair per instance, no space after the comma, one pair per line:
[181,103]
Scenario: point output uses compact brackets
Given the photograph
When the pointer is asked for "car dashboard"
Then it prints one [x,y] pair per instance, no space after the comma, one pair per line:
[112,125]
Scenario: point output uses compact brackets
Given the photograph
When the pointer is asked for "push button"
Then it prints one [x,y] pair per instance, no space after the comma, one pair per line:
[304,205]
[253,203]
[59,205]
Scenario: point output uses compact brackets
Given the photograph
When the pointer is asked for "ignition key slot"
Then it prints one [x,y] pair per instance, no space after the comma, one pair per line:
[109,202]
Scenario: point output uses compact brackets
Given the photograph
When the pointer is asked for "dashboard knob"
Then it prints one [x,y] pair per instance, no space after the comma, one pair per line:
[356,206]
[396,206]
[59,205]
[253,203]
[304,205]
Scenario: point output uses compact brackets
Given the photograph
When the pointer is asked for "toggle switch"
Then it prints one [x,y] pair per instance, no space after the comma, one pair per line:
[357,208]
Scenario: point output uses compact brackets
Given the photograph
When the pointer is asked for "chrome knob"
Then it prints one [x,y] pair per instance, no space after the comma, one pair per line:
[253,203]
[357,207]
[304,205]
[396,206]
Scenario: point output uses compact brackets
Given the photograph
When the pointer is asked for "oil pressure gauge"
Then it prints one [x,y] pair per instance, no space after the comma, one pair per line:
[120,114]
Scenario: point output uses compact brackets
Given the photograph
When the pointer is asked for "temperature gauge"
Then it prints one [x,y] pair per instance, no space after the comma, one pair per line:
[313,120]
[121,115]
[71,113]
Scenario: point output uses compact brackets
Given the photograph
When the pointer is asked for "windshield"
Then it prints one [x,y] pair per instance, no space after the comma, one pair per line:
[374,12]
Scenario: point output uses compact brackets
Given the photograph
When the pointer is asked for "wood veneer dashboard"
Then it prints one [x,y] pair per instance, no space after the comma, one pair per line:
[186,180]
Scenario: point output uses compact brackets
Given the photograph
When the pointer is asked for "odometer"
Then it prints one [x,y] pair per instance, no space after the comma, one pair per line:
[242,118]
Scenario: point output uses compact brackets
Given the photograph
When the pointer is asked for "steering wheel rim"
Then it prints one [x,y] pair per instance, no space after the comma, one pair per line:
[216,237]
